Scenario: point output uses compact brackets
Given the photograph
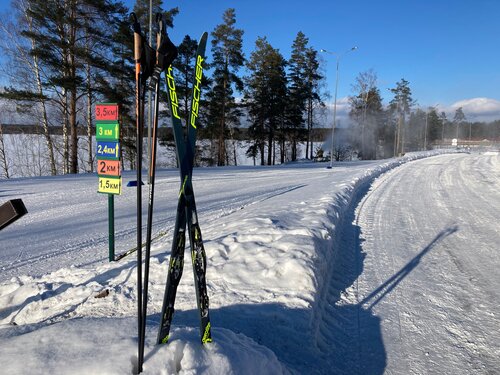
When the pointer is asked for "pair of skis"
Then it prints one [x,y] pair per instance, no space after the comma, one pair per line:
[147,66]
[185,142]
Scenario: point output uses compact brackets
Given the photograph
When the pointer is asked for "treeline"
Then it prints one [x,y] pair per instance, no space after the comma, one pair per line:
[63,56]
[66,55]
[402,126]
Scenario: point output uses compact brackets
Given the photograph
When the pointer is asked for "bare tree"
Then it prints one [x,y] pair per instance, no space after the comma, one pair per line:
[27,60]
[3,157]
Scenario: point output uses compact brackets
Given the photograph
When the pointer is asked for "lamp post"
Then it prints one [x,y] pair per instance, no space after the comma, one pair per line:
[425,129]
[337,56]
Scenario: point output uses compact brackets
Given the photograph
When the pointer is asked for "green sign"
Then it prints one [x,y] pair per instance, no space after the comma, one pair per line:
[107,131]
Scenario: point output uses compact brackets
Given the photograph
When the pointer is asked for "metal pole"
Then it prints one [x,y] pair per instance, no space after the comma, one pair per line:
[442,130]
[403,122]
[425,131]
[111,226]
[334,111]
[150,100]
[337,56]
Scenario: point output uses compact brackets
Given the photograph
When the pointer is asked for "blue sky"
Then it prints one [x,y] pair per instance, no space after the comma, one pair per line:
[448,50]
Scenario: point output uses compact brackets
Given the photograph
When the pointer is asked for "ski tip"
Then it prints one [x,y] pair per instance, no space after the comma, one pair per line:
[204,37]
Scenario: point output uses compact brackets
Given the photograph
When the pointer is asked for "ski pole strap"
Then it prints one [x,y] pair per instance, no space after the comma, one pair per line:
[143,53]
[148,61]
[166,52]
[163,60]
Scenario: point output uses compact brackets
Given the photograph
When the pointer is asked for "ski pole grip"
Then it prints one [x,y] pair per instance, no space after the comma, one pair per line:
[137,47]
[137,37]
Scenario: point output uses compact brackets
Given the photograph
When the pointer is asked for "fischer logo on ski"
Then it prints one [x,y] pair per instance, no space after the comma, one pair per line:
[196,91]
[174,103]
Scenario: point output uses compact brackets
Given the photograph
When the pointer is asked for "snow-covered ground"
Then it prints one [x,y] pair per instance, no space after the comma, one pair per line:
[370,267]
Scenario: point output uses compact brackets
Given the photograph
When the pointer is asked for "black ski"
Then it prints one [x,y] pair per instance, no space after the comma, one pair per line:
[198,255]
[186,209]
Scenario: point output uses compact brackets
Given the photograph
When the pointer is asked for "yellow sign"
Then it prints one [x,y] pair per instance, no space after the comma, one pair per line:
[110,185]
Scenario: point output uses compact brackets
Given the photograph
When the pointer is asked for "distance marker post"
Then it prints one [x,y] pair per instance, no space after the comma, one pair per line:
[108,162]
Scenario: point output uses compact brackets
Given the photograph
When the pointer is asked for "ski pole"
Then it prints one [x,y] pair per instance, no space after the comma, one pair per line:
[152,170]
[166,52]
[137,57]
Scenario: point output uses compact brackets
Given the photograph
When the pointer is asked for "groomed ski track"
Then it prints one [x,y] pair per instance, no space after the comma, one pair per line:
[412,287]
[389,285]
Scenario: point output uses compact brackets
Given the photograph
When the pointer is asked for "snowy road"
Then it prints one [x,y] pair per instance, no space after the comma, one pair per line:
[430,239]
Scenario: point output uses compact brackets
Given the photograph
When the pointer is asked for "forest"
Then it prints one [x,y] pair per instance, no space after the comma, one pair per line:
[63,56]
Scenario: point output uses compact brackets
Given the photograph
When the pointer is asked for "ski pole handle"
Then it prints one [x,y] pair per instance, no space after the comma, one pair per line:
[137,37]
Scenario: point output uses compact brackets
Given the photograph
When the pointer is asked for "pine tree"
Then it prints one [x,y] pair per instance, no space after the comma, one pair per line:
[444,121]
[265,96]
[297,93]
[313,97]
[401,104]
[458,120]
[228,58]
[183,65]
[70,43]
[433,126]
[304,93]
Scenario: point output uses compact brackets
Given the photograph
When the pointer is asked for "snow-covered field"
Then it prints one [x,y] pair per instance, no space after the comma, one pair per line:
[370,267]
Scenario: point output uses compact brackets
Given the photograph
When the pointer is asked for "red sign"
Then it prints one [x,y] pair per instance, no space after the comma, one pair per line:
[108,167]
[106,112]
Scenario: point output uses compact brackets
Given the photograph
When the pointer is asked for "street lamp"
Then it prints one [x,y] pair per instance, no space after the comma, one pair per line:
[338,56]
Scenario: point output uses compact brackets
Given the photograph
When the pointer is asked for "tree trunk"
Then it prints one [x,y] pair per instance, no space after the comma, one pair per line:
[45,122]
[270,147]
[234,153]
[222,144]
[310,120]
[282,152]
[73,92]
[73,132]
[262,157]
[65,132]
[3,157]
[90,160]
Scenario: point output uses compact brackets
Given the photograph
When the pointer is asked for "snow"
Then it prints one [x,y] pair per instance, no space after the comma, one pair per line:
[369,267]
